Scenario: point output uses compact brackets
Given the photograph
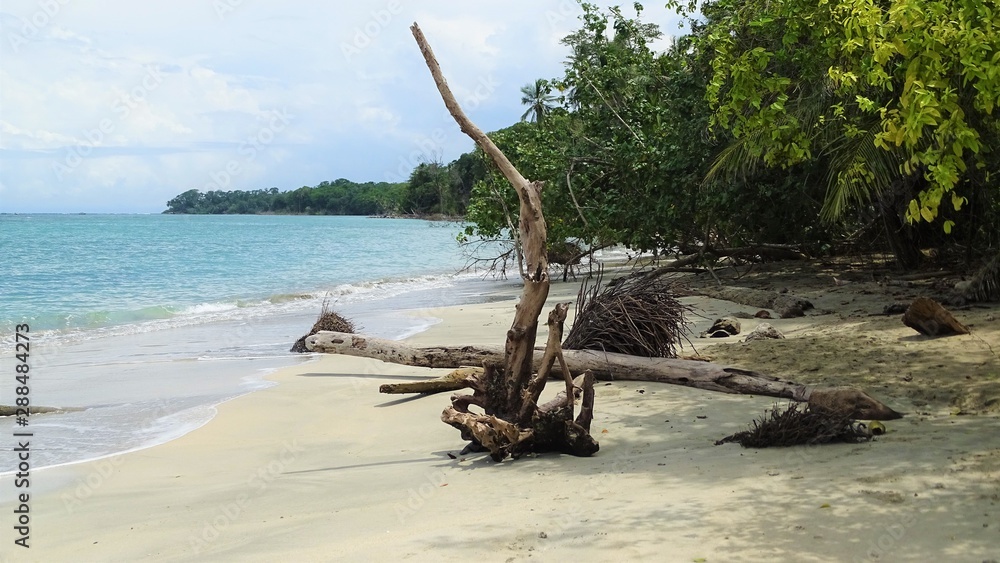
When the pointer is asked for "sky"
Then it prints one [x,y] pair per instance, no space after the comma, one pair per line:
[116,106]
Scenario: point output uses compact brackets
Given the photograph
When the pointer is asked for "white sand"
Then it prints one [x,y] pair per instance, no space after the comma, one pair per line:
[323,468]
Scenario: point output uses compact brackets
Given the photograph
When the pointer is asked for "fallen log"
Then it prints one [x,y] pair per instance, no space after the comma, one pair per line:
[929,318]
[696,254]
[608,366]
[786,305]
[449,382]
[12,410]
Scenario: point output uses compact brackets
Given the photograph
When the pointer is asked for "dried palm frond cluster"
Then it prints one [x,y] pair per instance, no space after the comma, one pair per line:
[794,427]
[985,285]
[327,320]
[637,315]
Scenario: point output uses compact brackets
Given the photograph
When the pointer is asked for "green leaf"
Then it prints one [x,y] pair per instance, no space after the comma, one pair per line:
[927,214]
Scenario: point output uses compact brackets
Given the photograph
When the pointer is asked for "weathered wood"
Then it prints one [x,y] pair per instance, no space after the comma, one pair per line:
[689,373]
[12,410]
[449,382]
[851,403]
[604,365]
[556,320]
[507,411]
[395,352]
[786,305]
[493,433]
[586,415]
[520,343]
[929,318]
[581,388]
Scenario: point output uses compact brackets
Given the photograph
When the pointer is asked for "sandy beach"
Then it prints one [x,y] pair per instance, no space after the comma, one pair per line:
[322,467]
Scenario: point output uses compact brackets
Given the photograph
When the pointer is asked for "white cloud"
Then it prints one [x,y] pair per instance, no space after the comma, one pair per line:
[13,137]
[57,32]
[465,37]
[377,116]
[176,92]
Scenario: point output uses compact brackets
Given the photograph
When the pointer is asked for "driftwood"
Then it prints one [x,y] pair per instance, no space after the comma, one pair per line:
[852,403]
[929,318]
[328,320]
[786,305]
[549,427]
[609,366]
[695,255]
[506,391]
[449,382]
[11,410]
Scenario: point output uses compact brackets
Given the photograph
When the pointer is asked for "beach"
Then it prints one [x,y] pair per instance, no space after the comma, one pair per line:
[139,325]
[321,467]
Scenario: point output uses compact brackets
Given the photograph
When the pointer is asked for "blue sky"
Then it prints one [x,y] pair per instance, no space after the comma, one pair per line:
[117,105]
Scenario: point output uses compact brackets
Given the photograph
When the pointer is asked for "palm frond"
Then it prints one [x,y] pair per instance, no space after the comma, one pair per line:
[740,159]
[858,170]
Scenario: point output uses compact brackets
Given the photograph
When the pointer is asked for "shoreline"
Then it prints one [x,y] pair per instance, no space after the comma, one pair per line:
[322,467]
[115,389]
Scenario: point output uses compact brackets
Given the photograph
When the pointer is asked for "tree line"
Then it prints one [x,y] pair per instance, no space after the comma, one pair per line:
[432,189]
[829,126]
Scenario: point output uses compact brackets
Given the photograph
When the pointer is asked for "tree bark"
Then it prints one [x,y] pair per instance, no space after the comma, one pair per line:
[509,426]
[929,318]
[450,382]
[553,351]
[521,337]
[603,365]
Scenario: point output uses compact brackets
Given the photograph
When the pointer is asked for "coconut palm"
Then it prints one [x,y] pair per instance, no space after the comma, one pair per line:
[857,171]
[538,97]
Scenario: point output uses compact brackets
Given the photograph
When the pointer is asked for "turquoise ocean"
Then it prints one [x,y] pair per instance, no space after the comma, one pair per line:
[146,322]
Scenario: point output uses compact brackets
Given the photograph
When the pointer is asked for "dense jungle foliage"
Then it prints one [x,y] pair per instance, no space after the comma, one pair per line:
[837,126]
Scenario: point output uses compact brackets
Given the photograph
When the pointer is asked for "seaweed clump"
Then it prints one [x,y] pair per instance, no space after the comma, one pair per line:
[638,316]
[328,320]
[794,427]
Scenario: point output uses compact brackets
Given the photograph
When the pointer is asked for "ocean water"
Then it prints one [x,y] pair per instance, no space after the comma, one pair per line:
[144,323]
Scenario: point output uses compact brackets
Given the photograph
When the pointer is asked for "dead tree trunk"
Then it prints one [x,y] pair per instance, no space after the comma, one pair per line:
[610,366]
[502,390]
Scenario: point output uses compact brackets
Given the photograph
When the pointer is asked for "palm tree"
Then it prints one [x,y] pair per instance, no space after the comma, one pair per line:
[857,171]
[538,97]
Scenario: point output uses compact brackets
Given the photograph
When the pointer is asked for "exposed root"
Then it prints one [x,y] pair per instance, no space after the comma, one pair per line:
[638,316]
[328,320]
[794,427]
